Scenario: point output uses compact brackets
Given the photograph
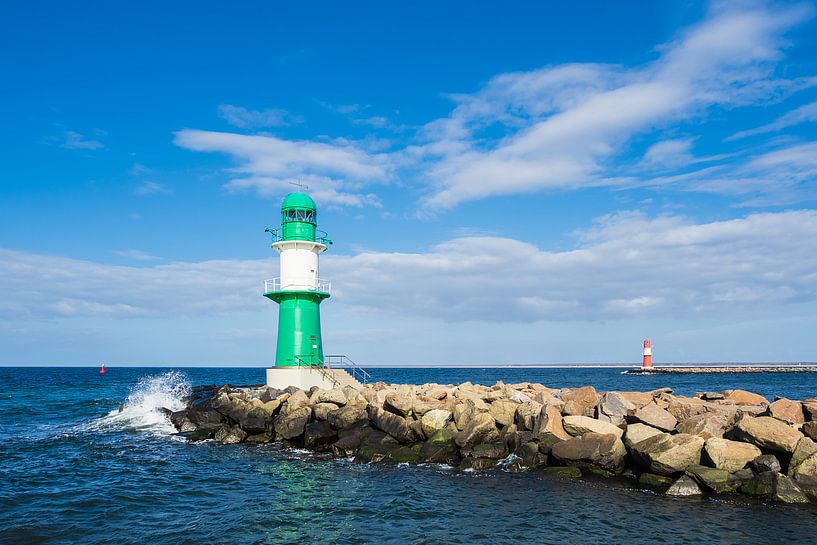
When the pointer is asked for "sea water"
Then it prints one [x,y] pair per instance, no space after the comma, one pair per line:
[88,458]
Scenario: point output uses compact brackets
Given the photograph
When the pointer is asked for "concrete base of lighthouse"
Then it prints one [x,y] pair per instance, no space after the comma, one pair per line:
[300,377]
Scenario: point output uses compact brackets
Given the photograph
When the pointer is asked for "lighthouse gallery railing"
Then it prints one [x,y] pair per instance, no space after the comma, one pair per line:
[274,284]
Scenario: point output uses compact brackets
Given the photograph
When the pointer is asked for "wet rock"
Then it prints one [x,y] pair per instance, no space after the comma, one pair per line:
[319,435]
[346,417]
[775,486]
[579,425]
[229,434]
[788,411]
[580,401]
[550,428]
[394,425]
[614,408]
[503,411]
[655,481]
[435,420]
[530,456]
[767,432]
[291,423]
[480,429]
[259,438]
[653,415]
[716,480]
[667,454]
[495,450]
[684,486]
[765,462]
[254,421]
[567,472]
[730,455]
[605,451]
[705,425]
[441,448]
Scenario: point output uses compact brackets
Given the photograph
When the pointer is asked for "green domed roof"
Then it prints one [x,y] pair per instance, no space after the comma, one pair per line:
[298,200]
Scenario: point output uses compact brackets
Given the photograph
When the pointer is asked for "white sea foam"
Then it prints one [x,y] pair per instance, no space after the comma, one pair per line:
[142,409]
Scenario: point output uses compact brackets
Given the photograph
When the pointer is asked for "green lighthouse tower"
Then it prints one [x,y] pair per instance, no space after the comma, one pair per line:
[298,291]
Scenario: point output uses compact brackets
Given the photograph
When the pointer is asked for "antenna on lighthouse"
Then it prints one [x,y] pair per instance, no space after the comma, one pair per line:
[300,185]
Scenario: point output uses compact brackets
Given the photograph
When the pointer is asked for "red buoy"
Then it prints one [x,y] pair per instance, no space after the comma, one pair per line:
[102,371]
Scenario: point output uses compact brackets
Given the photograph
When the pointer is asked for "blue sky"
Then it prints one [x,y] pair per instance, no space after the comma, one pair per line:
[524,183]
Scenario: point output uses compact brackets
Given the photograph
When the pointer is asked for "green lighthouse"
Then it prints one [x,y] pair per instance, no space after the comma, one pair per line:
[298,291]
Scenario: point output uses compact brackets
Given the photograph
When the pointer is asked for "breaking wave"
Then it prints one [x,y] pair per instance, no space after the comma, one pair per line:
[143,408]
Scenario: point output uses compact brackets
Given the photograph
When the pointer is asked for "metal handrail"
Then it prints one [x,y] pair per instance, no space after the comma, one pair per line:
[274,284]
[277,236]
[322,369]
[342,361]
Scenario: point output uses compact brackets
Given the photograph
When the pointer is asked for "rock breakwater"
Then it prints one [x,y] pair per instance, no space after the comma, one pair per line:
[725,442]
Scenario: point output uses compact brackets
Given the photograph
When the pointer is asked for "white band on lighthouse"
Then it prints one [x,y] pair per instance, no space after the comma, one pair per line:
[299,264]
[648,351]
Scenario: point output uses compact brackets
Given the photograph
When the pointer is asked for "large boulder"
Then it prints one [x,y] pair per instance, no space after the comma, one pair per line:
[254,421]
[400,404]
[346,417]
[637,432]
[321,410]
[396,426]
[480,429]
[810,409]
[503,411]
[335,395]
[655,416]
[434,420]
[580,401]
[230,434]
[806,448]
[788,411]
[464,412]
[605,451]
[718,480]
[319,435]
[767,432]
[527,414]
[638,399]
[614,408]
[579,425]
[730,455]
[742,397]
[706,425]
[772,485]
[550,428]
[765,462]
[441,448]
[291,423]
[667,454]
[805,475]
[296,400]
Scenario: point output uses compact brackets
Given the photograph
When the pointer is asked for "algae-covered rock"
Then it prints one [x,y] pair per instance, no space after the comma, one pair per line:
[319,435]
[570,472]
[716,480]
[229,434]
[655,481]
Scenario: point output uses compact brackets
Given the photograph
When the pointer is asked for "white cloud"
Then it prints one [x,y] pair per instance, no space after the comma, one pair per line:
[804,114]
[563,127]
[668,153]
[253,119]
[150,188]
[335,170]
[74,140]
[138,255]
[625,265]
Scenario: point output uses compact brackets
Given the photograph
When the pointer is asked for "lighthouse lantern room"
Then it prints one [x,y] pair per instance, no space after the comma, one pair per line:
[299,291]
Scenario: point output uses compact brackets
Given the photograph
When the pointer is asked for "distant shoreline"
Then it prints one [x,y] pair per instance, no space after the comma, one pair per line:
[669,365]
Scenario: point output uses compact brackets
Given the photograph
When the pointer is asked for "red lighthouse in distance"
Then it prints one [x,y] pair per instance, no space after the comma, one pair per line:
[647,354]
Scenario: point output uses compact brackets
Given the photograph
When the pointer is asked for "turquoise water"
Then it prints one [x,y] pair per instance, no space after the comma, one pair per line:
[75,470]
